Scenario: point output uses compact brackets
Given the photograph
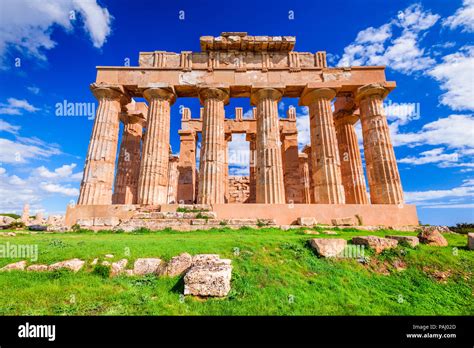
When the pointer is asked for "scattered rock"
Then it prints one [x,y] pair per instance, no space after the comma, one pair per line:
[37,268]
[129,272]
[330,232]
[432,237]
[379,244]
[411,240]
[109,256]
[399,265]
[73,265]
[17,266]
[105,263]
[6,221]
[11,234]
[307,221]
[147,266]
[310,232]
[94,262]
[470,241]
[178,265]
[118,267]
[208,276]
[328,247]
[346,221]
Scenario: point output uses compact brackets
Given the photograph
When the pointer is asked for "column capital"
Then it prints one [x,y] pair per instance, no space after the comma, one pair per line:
[267,93]
[166,93]
[116,92]
[345,116]
[309,96]
[221,94]
[371,89]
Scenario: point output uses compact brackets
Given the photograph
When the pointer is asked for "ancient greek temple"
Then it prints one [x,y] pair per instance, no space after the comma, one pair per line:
[325,181]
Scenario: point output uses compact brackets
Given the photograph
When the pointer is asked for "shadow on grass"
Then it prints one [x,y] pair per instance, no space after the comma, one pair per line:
[178,288]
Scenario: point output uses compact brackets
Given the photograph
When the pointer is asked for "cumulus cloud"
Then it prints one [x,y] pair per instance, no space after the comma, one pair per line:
[27,26]
[239,155]
[15,106]
[8,128]
[456,76]
[395,44]
[433,197]
[463,18]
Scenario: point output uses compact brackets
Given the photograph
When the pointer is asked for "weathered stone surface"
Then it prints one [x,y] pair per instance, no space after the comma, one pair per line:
[17,266]
[310,232]
[411,240]
[379,244]
[328,247]
[178,265]
[37,268]
[330,232]
[346,221]
[432,237]
[6,221]
[208,280]
[147,266]
[73,265]
[470,241]
[307,221]
[118,267]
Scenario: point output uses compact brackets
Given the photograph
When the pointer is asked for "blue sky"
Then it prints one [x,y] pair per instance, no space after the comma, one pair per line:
[49,50]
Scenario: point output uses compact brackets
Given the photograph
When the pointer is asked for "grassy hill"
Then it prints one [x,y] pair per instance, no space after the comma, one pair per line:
[275,273]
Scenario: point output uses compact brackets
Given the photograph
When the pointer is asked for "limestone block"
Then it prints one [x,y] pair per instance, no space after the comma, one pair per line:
[118,267]
[470,241]
[379,244]
[147,266]
[209,276]
[307,221]
[432,237]
[106,221]
[17,266]
[346,221]
[37,268]
[328,247]
[74,265]
[178,265]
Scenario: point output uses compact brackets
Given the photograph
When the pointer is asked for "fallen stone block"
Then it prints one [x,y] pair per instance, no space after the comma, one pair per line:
[470,241]
[307,221]
[118,267]
[346,221]
[411,240]
[74,265]
[328,247]
[178,265]
[432,237]
[209,280]
[379,244]
[17,266]
[147,266]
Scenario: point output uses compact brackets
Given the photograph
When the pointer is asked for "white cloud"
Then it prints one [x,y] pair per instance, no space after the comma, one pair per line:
[382,46]
[465,190]
[302,125]
[16,106]
[33,89]
[463,17]
[436,155]
[65,171]
[239,155]
[456,76]
[9,128]
[55,188]
[22,150]
[28,25]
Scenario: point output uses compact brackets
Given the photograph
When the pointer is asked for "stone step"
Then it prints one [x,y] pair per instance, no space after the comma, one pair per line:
[175,215]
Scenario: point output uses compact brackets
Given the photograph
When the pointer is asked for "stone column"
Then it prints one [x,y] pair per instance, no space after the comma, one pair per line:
[305,178]
[309,161]
[382,171]
[153,181]
[128,167]
[326,169]
[251,138]
[98,178]
[211,166]
[227,139]
[291,175]
[173,176]
[351,163]
[270,184]
[187,167]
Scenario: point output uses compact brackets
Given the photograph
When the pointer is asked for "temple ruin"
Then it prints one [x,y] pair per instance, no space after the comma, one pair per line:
[325,181]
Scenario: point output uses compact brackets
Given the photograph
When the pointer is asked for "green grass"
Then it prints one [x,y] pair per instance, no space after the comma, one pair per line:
[275,273]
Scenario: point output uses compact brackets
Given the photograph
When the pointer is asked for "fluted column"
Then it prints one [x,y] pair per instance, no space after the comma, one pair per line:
[128,166]
[187,166]
[98,178]
[269,173]
[211,167]
[153,181]
[251,138]
[326,164]
[382,171]
[351,163]
[227,139]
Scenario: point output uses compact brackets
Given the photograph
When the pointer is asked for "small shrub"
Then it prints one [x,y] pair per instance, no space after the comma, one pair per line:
[141,230]
[76,227]
[223,223]
[102,271]
[261,223]
[57,243]
[463,228]
[17,225]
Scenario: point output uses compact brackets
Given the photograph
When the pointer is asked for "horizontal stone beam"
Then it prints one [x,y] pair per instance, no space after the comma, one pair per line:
[246,126]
